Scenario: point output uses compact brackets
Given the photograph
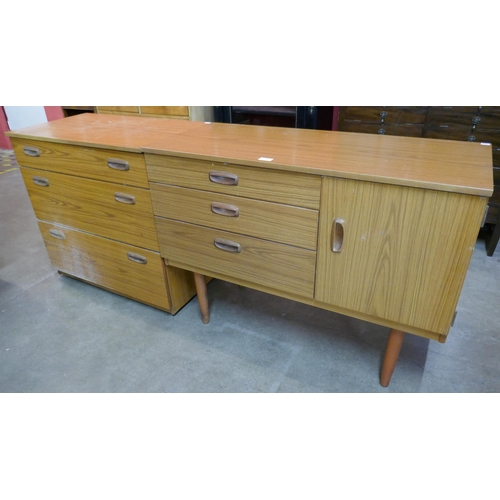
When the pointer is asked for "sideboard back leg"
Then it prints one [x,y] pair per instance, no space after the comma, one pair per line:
[394,343]
[201,291]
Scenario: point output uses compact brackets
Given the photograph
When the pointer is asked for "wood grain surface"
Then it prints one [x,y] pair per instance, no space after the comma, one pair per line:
[270,221]
[278,266]
[262,184]
[83,161]
[91,206]
[405,251]
[106,263]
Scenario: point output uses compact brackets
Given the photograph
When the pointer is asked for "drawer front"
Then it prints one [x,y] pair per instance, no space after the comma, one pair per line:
[165,110]
[453,115]
[128,270]
[118,212]
[390,114]
[274,265]
[101,164]
[261,219]
[386,129]
[118,109]
[448,132]
[490,117]
[262,184]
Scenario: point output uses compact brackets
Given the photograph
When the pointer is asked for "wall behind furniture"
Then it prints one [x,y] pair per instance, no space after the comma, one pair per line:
[23,116]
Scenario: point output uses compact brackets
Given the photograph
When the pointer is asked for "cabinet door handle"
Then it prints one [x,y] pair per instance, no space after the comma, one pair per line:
[337,235]
[41,181]
[227,245]
[225,209]
[117,164]
[57,234]
[135,257]
[125,198]
[31,151]
[223,178]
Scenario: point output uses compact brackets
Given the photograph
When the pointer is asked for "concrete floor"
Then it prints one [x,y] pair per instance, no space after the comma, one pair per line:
[60,335]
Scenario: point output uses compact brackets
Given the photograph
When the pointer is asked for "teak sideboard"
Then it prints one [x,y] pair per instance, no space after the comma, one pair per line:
[378,228]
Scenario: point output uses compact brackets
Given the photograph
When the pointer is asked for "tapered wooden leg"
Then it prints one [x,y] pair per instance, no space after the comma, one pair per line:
[201,291]
[394,343]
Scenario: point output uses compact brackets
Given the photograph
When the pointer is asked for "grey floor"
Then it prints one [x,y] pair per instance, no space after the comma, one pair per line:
[60,335]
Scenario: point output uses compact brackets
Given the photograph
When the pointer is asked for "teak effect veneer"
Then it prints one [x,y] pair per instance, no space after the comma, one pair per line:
[379,228]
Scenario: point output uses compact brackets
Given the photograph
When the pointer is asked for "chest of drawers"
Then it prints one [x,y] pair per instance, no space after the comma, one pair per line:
[87,182]
[375,227]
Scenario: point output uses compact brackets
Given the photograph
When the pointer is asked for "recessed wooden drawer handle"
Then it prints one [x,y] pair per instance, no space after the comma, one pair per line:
[227,245]
[225,209]
[117,164]
[57,234]
[337,235]
[125,198]
[135,257]
[31,151]
[223,178]
[41,181]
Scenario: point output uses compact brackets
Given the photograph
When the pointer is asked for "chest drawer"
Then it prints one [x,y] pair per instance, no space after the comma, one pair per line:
[383,129]
[118,212]
[390,114]
[102,164]
[274,265]
[128,270]
[289,188]
[453,115]
[269,221]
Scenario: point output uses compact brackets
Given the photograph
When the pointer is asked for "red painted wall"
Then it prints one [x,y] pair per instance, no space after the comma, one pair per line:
[4,127]
[52,113]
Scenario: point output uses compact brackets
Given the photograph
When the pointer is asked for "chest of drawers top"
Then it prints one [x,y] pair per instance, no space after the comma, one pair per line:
[416,162]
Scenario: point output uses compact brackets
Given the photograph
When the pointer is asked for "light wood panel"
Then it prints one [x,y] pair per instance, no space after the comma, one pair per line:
[83,162]
[262,184]
[118,109]
[270,264]
[106,263]
[91,206]
[165,110]
[405,251]
[269,221]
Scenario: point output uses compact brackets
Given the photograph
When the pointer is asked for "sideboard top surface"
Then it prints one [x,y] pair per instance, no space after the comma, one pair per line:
[453,166]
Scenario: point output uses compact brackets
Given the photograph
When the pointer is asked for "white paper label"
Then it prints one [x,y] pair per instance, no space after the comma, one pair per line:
[263,158]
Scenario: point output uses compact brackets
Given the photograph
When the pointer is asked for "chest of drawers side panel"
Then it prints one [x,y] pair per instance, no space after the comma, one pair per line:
[405,251]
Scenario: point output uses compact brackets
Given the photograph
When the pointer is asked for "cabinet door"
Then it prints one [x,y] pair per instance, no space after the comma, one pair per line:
[401,253]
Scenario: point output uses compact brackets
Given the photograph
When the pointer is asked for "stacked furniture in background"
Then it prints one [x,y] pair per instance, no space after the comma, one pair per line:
[460,123]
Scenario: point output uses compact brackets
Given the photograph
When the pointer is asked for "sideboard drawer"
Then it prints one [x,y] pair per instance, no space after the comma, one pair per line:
[261,219]
[273,265]
[114,211]
[127,270]
[102,164]
[259,183]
